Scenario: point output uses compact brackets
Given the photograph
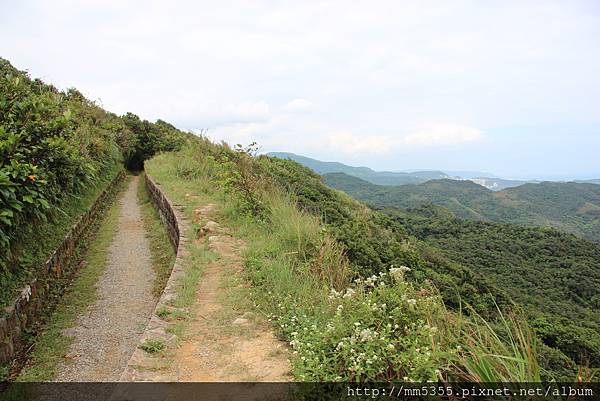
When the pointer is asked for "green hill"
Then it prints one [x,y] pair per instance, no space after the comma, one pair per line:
[548,275]
[568,206]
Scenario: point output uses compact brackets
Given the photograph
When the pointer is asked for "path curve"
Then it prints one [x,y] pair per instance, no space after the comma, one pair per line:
[107,333]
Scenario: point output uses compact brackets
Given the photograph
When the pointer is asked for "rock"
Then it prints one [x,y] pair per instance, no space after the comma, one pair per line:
[210,227]
[240,321]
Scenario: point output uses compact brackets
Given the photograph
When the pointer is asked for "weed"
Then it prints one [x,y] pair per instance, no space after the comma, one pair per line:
[153,346]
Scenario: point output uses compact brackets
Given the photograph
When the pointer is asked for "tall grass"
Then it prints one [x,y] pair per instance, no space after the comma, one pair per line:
[505,353]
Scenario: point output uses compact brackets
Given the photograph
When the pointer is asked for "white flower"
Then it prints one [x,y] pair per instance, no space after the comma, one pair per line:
[398,272]
[411,301]
[349,293]
[366,335]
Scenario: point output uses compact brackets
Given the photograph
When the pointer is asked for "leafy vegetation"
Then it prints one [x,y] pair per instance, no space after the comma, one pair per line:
[153,346]
[57,152]
[567,206]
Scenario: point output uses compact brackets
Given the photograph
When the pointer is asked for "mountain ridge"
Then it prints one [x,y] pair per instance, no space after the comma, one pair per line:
[487,180]
[571,207]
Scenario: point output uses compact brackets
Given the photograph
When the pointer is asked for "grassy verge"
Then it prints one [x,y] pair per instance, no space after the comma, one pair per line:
[195,263]
[51,345]
[162,254]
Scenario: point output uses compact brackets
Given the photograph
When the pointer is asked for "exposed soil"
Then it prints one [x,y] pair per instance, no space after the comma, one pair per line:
[226,342]
[107,333]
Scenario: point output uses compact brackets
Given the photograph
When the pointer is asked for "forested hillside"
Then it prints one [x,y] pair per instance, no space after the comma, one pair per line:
[568,206]
[554,275]
[57,151]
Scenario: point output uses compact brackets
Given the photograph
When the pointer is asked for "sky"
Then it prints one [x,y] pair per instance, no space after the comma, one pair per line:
[510,87]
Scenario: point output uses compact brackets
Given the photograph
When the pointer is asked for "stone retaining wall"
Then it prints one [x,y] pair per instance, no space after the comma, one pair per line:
[141,365]
[25,309]
[168,214]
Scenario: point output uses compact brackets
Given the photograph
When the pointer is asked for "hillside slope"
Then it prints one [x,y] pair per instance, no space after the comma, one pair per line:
[552,274]
[345,284]
[570,207]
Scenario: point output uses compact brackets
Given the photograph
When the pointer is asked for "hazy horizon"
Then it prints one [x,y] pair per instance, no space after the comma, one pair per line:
[510,88]
[489,174]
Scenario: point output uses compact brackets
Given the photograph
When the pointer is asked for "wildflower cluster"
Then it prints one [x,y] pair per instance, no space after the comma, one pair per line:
[379,329]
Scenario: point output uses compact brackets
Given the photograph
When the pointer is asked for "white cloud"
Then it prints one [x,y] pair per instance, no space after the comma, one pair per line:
[442,135]
[348,142]
[248,112]
[297,106]
[377,73]
[435,135]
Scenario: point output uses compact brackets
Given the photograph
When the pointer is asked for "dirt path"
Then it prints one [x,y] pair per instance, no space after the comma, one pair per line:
[226,341]
[107,333]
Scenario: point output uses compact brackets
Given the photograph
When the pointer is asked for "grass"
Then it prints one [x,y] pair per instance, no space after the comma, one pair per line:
[493,357]
[51,345]
[161,251]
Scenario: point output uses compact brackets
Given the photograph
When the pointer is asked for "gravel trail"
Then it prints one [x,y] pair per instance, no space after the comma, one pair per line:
[107,333]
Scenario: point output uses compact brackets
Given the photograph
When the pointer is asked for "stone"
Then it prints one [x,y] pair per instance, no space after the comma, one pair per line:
[240,321]
[209,227]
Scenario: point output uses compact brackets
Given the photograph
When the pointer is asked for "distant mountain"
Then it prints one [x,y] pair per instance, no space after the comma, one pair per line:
[375,177]
[568,206]
[595,181]
[470,174]
[399,177]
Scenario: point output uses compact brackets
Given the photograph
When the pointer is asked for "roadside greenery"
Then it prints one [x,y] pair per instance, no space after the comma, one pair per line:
[52,344]
[58,150]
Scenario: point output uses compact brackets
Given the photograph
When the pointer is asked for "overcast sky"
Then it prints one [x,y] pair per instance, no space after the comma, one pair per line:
[507,87]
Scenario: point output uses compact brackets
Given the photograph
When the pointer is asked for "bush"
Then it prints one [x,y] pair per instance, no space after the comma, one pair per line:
[382,330]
